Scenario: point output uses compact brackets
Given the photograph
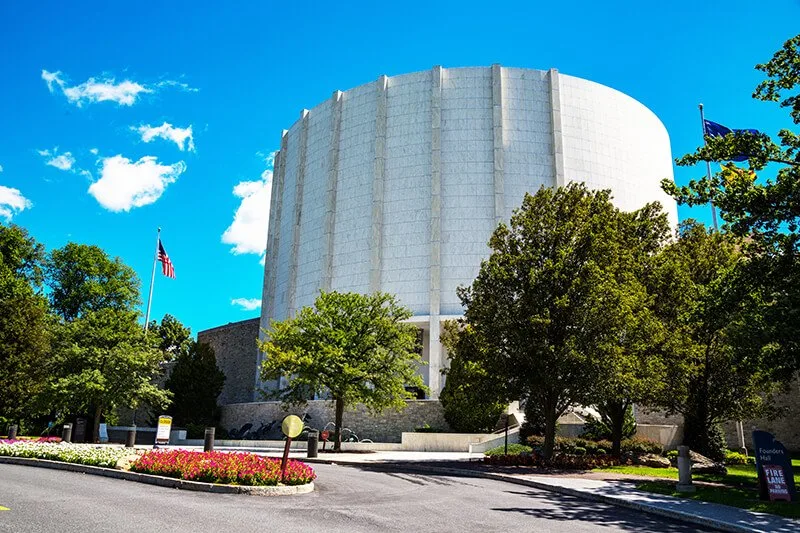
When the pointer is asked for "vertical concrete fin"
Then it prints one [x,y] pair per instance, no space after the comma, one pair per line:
[333,176]
[555,120]
[273,247]
[434,349]
[379,169]
[497,123]
[298,214]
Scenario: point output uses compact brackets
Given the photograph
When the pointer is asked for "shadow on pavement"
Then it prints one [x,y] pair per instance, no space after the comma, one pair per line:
[566,508]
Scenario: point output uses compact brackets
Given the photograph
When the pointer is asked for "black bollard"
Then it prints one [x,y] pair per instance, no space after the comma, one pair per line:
[313,443]
[66,435]
[208,441]
[131,440]
[12,431]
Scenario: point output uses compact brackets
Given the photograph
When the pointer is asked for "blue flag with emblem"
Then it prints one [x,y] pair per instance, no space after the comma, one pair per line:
[712,129]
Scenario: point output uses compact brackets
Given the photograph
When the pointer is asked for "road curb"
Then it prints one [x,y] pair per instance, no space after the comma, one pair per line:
[162,481]
[685,517]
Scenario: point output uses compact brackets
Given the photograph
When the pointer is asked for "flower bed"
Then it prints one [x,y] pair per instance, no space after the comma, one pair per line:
[85,454]
[219,467]
[559,460]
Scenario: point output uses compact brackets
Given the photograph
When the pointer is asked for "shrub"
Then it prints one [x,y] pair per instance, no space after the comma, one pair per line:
[513,449]
[572,446]
[85,454]
[560,460]
[220,467]
[637,446]
[672,455]
[736,458]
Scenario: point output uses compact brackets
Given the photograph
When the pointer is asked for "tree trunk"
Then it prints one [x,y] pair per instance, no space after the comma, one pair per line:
[616,415]
[337,438]
[98,412]
[551,418]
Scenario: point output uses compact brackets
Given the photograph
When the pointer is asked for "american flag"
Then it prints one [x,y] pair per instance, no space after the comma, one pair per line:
[166,264]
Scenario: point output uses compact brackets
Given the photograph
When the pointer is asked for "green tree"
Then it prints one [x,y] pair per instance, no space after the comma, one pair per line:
[24,323]
[84,278]
[103,360]
[469,398]
[550,305]
[632,360]
[765,212]
[718,354]
[355,347]
[174,339]
[195,383]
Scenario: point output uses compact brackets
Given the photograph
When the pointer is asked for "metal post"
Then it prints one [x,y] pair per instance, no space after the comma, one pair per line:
[130,442]
[708,168]
[12,432]
[313,443]
[208,440]
[66,434]
[285,457]
[684,470]
[152,281]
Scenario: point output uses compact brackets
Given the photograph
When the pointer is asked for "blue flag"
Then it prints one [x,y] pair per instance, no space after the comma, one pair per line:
[718,130]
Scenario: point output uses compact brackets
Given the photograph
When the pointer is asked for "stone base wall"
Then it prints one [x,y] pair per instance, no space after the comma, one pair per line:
[237,356]
[785,427]
[384,427]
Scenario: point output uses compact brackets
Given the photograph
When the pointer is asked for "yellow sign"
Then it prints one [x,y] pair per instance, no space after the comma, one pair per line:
[164,426]
[292,426]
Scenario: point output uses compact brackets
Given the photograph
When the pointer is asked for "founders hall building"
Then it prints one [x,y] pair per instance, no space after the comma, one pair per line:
[397,185]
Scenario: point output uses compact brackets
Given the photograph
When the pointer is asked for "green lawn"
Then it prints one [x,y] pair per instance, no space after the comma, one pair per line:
[741,490]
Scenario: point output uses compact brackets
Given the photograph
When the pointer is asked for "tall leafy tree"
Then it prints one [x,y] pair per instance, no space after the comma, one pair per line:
[354,347]
[632,360]
[83,278]
[24,323]
[195,382]
[550,305]
[765,211]
[103,360]
[719,362]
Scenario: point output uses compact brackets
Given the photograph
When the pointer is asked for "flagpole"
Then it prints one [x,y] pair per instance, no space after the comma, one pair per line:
[708,168]
[152,282]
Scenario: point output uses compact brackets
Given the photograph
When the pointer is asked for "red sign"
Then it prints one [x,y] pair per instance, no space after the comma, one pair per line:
[776,483]
[324,435]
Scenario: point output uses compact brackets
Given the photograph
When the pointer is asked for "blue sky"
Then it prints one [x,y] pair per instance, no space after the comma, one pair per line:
[239,73]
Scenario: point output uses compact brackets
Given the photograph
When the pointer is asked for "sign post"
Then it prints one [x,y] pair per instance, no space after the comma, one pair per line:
[162,433]
[774,467]
[291,426]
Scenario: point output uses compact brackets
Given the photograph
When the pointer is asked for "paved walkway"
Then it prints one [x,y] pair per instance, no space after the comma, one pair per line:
[621,493]
[618,492]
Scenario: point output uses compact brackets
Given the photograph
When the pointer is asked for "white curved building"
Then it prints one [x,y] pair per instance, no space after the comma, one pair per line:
[396,185]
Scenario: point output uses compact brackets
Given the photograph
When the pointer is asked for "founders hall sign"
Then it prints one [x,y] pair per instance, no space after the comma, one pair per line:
[774,467]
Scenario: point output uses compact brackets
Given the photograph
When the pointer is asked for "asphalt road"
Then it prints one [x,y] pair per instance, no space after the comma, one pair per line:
[347,499]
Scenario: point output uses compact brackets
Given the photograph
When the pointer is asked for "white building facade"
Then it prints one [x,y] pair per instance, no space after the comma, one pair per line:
[397,185]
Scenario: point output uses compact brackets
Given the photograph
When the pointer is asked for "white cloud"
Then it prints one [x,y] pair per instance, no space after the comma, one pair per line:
[167,131]
[247,304]
[124,184]
[12,202]
[94,151]
[248,231]
[61,162]
[106,89]
[1,168]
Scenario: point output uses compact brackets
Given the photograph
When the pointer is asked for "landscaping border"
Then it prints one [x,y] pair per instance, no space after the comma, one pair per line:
[162,481]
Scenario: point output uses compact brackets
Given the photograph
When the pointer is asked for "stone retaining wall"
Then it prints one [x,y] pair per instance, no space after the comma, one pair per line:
[385,427]
[237,356]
